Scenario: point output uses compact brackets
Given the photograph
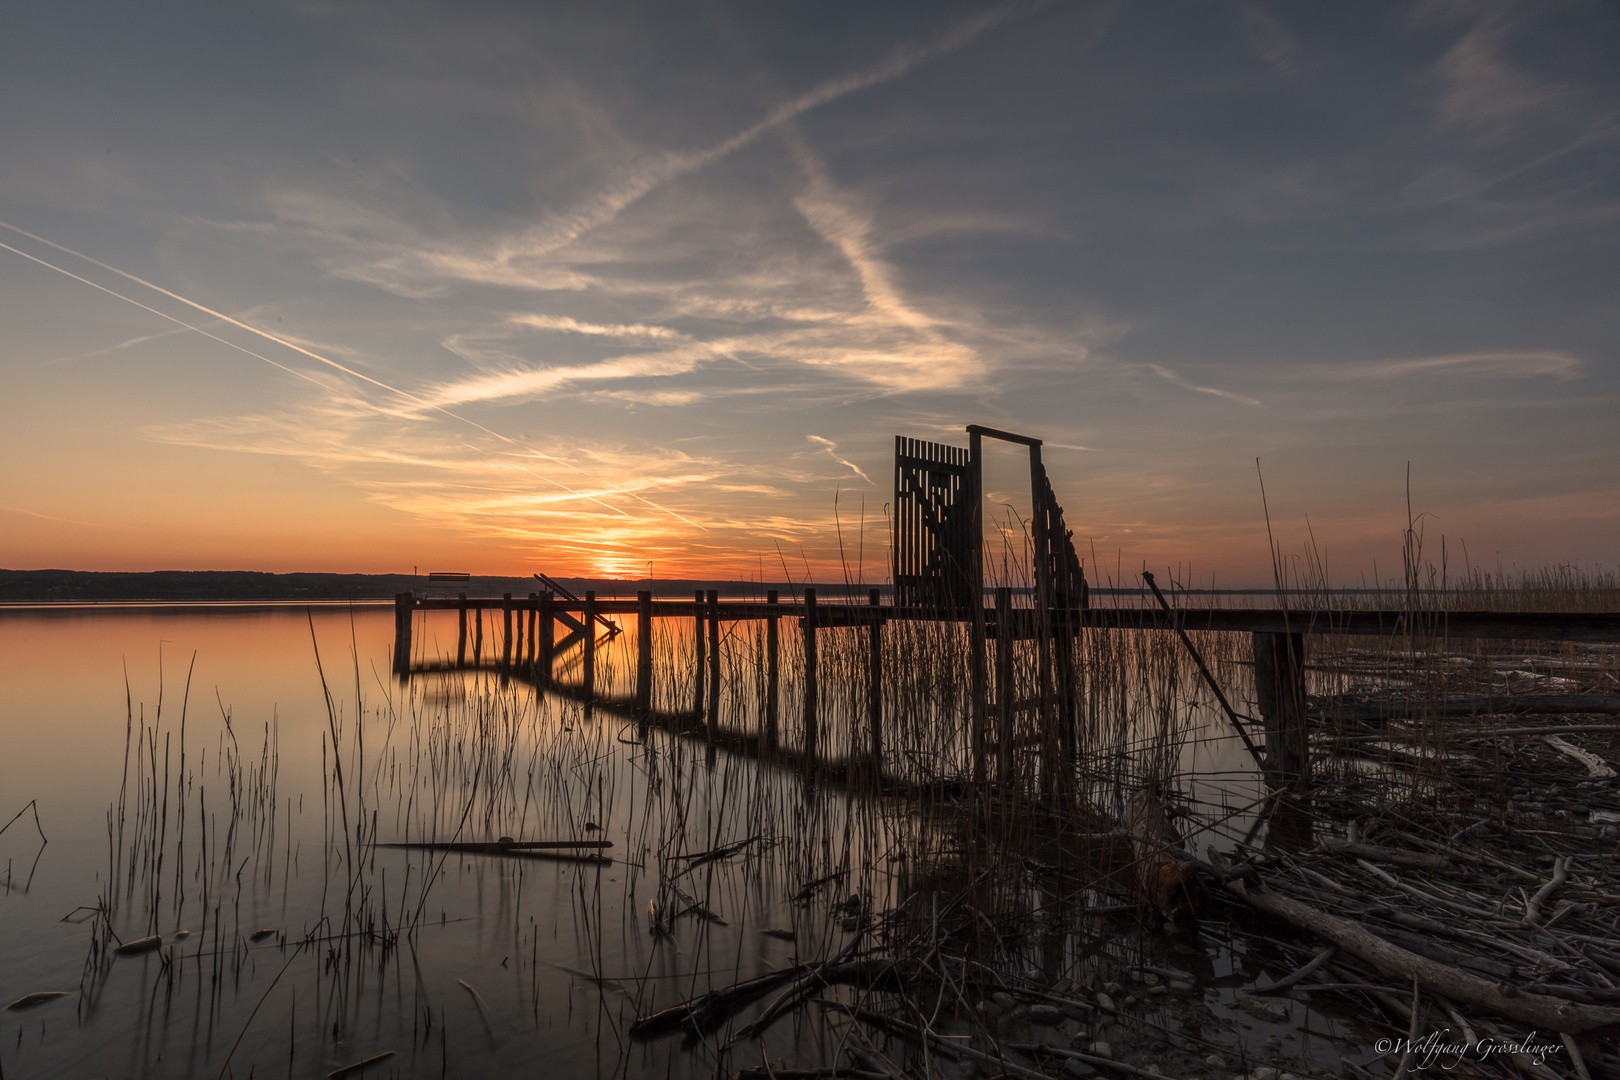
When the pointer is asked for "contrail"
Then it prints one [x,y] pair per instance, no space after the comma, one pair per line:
[298,349]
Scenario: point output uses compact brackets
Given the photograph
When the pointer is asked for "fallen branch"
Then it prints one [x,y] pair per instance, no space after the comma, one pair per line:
[1595,766]
[1392,856]
[1538,1010]
[1532,910]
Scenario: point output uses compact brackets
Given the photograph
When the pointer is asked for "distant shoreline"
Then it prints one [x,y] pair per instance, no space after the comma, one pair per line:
[246,586]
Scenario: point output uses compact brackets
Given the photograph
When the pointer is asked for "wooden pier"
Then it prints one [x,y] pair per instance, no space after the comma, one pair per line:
[938,576]
[530,646]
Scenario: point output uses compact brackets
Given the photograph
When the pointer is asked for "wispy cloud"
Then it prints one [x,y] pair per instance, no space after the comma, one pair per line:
[570,325]
[831,449]
[1506,364]
[1187,384]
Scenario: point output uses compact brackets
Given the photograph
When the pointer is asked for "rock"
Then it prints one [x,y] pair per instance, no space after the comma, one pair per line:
[1104,1050]
[1003,999]
[1113,988]
[1104,1001]
[1157,991]
[1076,1067]
[1215,1061]
[1046,1015]
[1130,999]
[1261,1009]
[1263,1072]
[1077,1010]
[1150,979]
[1021,1012]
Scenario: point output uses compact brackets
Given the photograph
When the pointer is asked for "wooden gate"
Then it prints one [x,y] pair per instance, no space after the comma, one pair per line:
[933,545]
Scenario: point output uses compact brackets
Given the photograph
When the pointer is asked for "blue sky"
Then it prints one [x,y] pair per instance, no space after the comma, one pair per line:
[580,287]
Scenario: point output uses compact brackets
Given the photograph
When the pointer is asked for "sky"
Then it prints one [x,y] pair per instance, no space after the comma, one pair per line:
[625,290]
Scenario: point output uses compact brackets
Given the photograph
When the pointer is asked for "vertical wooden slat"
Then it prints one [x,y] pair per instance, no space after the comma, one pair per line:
[590,647]
[976,660]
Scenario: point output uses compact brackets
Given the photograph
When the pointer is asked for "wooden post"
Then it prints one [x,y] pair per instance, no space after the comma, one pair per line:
[461,634]
[1279,683]
[772,674]
[714,664]
[404,606]
[1047,727]
[874,686]
[478,634]
[977,667]
[548,639]
[534,615]
[1004,689]
[506,631]
[590,646]
[810,701]
[643,655]
[697,657]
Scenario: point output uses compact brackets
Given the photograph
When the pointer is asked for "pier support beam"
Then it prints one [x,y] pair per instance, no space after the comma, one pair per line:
[1004,688]
[874,688]
[643,655]
[811,704]
[548,639]
[772,673]
[478,635]
[506,631]
[534,613]
[461,633]
[404,611]
[590,647]
[714,664]
[697,654]
[1279,683]
[978,673]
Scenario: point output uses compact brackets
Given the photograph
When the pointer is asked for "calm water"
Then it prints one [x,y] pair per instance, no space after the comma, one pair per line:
[559,953]
[270,790]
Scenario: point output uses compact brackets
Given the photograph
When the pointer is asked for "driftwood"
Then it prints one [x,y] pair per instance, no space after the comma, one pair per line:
[701,1012]
[1162,878]
[505,846]
[1538,1010]
[360,1066]
[1393,856]
[1595,766]
[1365,712]
[38,997]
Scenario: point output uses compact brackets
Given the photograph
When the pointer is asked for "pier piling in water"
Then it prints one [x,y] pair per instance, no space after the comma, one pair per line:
[461,634]
[697,655]
[810,701]
[644,662]
[874,686]
[714,664]
[1279,684]
[772,673]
